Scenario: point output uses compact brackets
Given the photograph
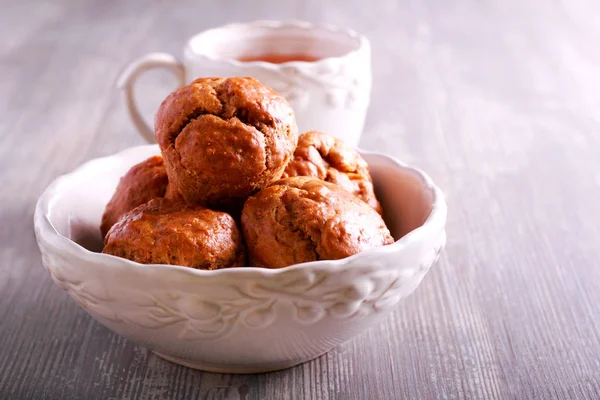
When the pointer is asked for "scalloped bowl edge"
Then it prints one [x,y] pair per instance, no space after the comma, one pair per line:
[239,320]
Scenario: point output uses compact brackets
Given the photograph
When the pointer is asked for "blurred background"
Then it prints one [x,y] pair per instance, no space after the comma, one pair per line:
[478,50]
[435,64]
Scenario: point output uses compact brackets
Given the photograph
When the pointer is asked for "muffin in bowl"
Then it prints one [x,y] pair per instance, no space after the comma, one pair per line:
[167,232]
[224,138]
[330,159]
[142,183]
[304,219]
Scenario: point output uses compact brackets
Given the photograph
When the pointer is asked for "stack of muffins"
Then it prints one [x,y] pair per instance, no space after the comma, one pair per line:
[236,186]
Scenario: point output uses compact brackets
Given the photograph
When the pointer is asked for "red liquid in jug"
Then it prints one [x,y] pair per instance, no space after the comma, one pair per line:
[278,58]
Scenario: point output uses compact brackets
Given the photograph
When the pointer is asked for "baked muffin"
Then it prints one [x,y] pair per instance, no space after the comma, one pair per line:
[166,232]
[304,219]
[224,139]
[143,182]
[328,158]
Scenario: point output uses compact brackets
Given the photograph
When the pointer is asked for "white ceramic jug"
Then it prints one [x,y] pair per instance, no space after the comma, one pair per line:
[330,93]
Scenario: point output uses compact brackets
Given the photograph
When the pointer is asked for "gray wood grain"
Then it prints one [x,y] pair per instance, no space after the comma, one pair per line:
[497,100]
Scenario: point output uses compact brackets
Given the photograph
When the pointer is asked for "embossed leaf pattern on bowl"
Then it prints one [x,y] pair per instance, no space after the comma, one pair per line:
[311,293]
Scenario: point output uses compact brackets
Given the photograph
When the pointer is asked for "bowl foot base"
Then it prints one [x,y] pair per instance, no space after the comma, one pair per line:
[235,368]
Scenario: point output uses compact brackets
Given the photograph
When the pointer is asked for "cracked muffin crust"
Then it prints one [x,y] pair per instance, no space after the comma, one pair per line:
[328,158]
[224,139]
[166,232]
[302,219]
[143,182]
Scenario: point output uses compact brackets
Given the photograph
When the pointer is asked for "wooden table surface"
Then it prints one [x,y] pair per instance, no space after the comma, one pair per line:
[498,100]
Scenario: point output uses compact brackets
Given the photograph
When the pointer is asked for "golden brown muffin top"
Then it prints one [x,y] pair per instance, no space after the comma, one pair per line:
[303,219]
[328,158]
[143,182]
[166,232]
[224,137]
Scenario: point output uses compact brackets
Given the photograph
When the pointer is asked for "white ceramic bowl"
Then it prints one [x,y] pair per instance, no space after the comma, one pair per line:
[240,320]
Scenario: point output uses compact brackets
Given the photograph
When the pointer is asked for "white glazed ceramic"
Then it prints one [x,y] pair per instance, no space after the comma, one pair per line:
[330,95]
[238,320]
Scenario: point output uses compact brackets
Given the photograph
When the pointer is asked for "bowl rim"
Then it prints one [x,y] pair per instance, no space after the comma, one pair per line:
[47,234]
